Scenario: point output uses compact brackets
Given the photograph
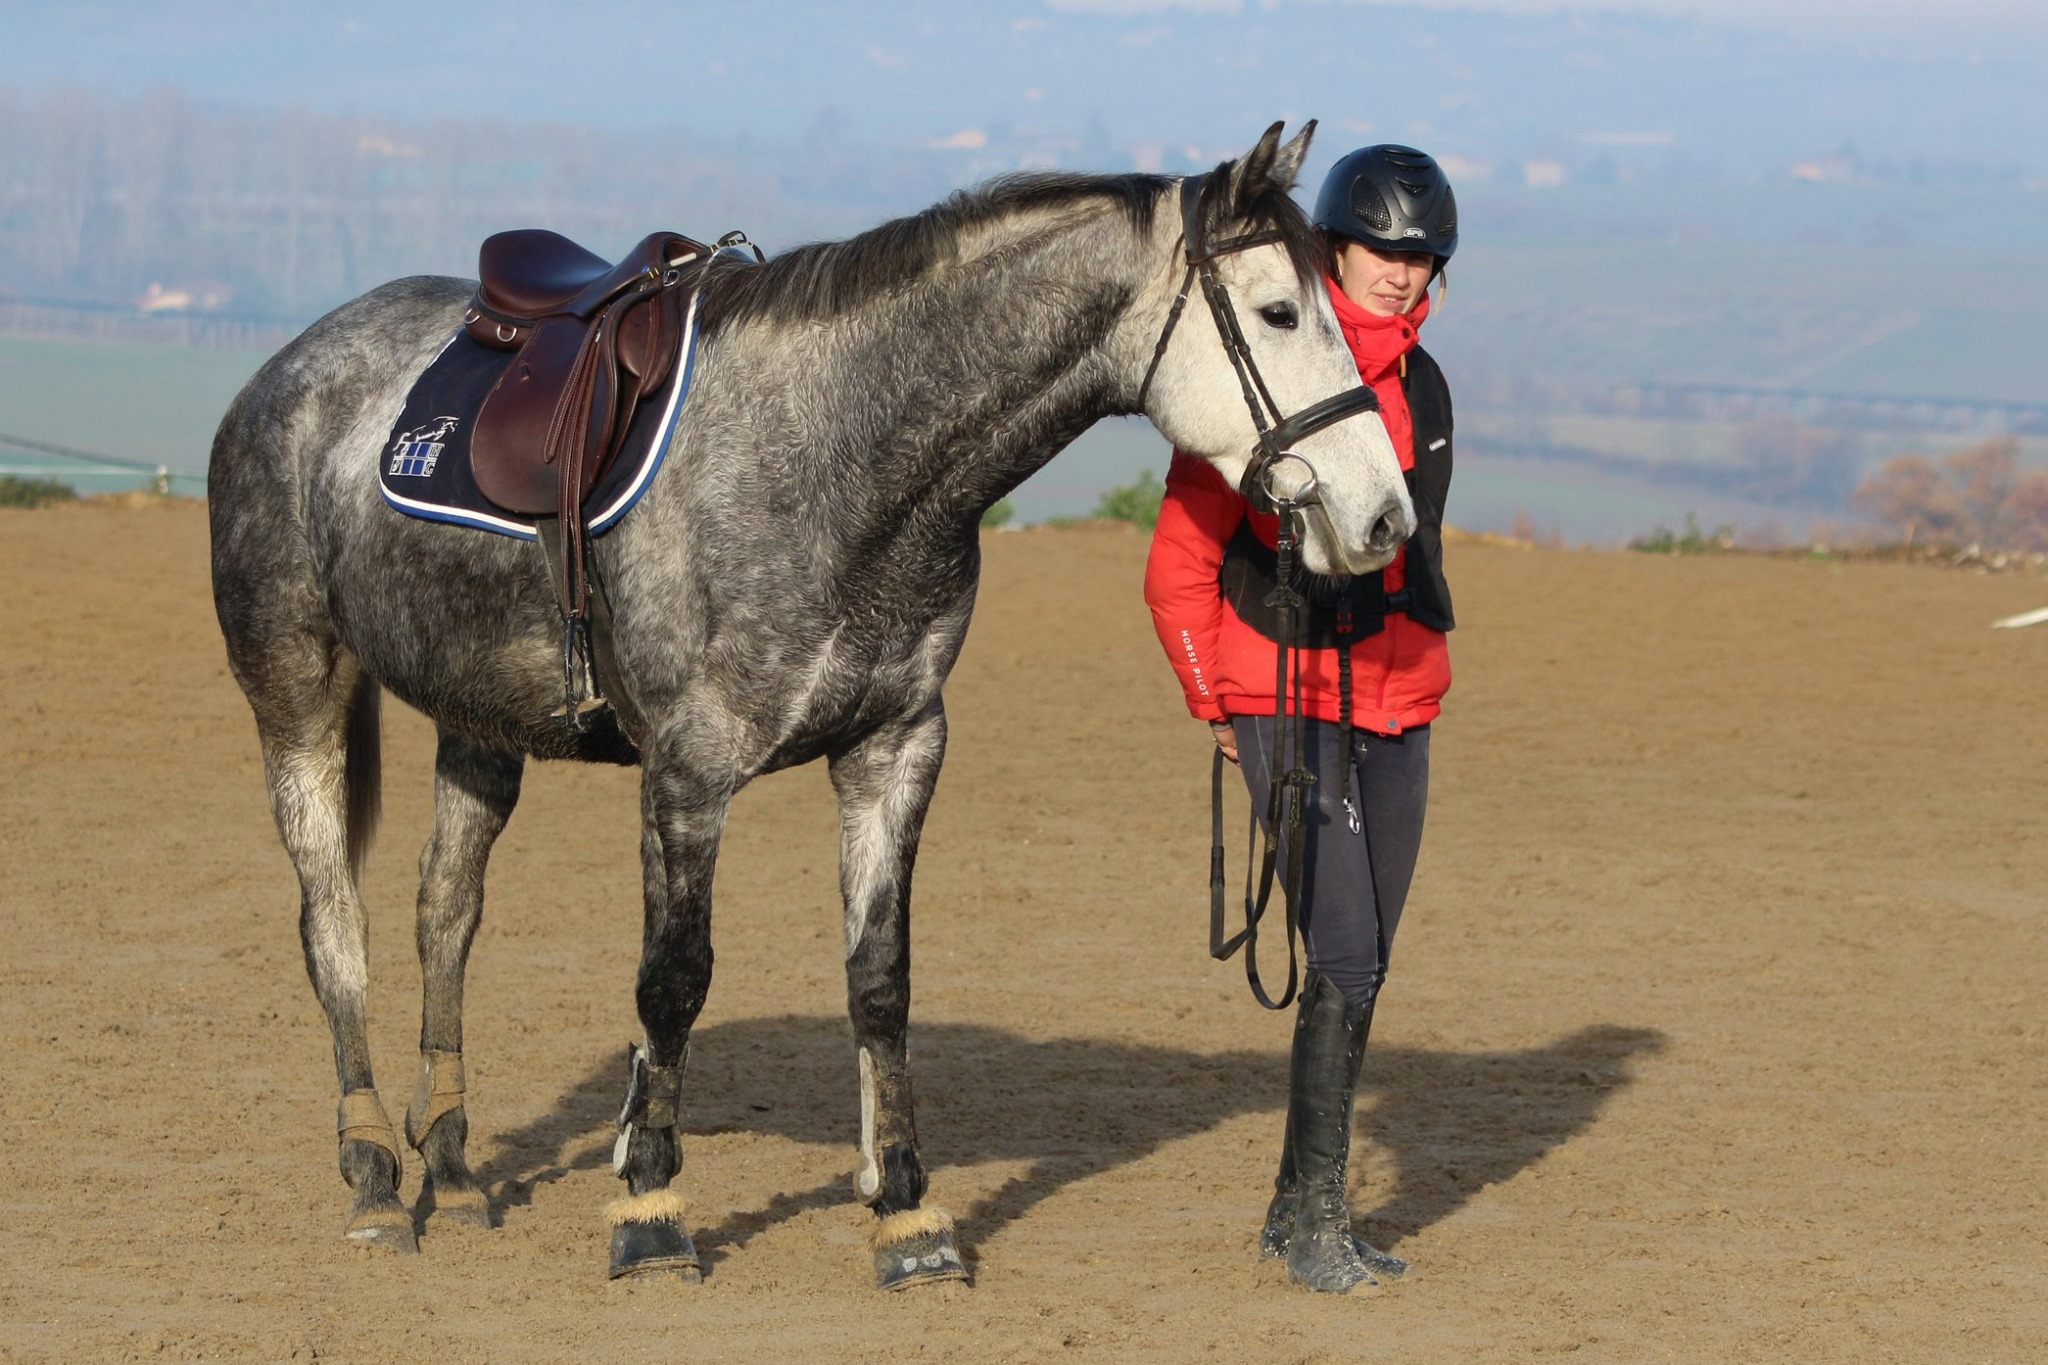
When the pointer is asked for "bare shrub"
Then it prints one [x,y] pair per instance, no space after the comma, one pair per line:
[1974,496]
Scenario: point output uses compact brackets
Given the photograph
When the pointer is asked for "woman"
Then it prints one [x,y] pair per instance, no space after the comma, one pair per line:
[1390,221]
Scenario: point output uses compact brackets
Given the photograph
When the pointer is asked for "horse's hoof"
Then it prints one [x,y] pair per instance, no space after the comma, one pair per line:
[916,1247]
[654,1249]
[388,1229]
[454,1208]
[648,1238]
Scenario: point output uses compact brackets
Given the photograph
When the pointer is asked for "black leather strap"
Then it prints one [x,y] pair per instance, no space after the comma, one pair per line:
[1286,800]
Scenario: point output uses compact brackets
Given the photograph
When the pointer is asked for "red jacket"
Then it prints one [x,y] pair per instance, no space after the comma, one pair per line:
[1399,675]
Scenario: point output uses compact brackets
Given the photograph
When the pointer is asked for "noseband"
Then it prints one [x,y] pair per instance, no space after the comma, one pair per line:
[1277,433]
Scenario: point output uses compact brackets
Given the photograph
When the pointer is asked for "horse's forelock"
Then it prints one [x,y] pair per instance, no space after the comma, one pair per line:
[1271,207]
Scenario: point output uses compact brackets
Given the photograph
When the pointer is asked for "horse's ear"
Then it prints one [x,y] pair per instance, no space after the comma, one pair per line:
[1287,163]
[1251,172]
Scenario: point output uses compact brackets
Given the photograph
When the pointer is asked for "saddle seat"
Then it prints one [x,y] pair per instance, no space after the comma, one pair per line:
[533,272]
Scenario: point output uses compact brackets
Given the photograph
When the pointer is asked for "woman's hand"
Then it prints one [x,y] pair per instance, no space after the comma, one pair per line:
[1225,736]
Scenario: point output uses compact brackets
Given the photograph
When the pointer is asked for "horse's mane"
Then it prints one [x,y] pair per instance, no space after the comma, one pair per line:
[826,279]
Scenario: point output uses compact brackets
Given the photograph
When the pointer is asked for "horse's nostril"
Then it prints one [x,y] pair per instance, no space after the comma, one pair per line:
[1388,532]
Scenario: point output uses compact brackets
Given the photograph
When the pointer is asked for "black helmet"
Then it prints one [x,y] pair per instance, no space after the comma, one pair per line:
[1391,197]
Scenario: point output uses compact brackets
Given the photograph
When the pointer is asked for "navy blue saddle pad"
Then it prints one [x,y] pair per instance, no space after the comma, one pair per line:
[424,469]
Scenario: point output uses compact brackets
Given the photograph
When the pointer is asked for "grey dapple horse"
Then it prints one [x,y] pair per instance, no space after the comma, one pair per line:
[795,584]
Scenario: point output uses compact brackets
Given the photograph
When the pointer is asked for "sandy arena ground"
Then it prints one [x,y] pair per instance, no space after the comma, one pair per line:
[1715,1031]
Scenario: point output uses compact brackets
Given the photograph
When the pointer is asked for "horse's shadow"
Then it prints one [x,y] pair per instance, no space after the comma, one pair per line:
[1449,1123]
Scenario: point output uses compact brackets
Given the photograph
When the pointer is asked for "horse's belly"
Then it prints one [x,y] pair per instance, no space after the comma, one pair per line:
[458,624]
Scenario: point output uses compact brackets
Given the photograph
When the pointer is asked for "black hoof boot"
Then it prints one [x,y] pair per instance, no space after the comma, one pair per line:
[648,1238]
[916,1247]
[1329,1044]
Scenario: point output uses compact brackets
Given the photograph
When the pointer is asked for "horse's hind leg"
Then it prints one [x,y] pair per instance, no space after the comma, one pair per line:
[475,788]
[885,786]
[316,714]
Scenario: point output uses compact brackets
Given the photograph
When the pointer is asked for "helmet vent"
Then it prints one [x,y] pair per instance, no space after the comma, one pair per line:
[1447,226]
[1370,208]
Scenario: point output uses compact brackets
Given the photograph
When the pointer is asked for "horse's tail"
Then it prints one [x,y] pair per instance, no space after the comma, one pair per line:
[363,771]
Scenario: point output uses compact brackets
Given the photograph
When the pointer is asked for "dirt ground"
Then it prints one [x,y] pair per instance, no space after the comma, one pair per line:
[1715,1031]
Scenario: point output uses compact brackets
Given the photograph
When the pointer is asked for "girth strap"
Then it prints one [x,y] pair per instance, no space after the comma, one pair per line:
[440,1091]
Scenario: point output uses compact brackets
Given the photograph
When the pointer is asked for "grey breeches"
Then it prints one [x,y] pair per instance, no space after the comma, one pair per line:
[1353,884]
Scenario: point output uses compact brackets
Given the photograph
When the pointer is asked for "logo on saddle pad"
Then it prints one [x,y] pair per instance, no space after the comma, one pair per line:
[414,453]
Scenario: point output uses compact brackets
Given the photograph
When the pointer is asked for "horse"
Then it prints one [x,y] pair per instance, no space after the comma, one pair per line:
[794,584]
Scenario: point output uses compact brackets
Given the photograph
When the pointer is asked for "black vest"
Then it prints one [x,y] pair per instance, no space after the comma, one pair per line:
[1249,567]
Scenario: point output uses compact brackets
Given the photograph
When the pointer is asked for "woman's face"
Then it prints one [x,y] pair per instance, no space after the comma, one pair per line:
[1383,283]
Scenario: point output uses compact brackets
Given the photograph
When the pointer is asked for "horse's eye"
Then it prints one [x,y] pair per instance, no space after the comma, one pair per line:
[1281,315]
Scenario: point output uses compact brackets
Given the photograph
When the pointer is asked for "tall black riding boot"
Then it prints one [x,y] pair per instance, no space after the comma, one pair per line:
[1329,1044]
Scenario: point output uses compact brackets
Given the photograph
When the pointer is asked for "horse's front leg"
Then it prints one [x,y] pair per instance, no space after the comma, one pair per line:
[683,806]
[475,788]
[885,785]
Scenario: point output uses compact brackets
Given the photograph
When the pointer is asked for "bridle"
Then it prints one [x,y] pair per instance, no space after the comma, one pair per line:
[1290,778]
[1277,433]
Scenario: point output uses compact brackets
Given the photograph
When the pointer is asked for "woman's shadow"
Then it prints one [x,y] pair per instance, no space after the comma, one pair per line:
[1451,1123]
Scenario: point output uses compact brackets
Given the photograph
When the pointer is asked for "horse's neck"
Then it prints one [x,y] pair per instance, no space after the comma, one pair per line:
[947,395]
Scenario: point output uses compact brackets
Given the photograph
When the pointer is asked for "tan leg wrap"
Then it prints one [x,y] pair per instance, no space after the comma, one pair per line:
[361,1118]
[655,1206]
[907,1223]
[440,1091]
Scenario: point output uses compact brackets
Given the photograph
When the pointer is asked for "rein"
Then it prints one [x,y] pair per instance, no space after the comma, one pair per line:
[1287,795]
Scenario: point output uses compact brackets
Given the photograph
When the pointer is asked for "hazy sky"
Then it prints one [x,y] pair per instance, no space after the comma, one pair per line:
[1768,14]
[1742,85]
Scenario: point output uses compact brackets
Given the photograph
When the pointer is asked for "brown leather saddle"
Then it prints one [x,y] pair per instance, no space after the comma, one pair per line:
[593,338]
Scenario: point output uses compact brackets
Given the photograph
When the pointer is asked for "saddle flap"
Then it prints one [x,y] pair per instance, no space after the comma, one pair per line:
[508,445]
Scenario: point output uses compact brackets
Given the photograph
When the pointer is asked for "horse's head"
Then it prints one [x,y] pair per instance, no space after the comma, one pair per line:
[1292,357]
